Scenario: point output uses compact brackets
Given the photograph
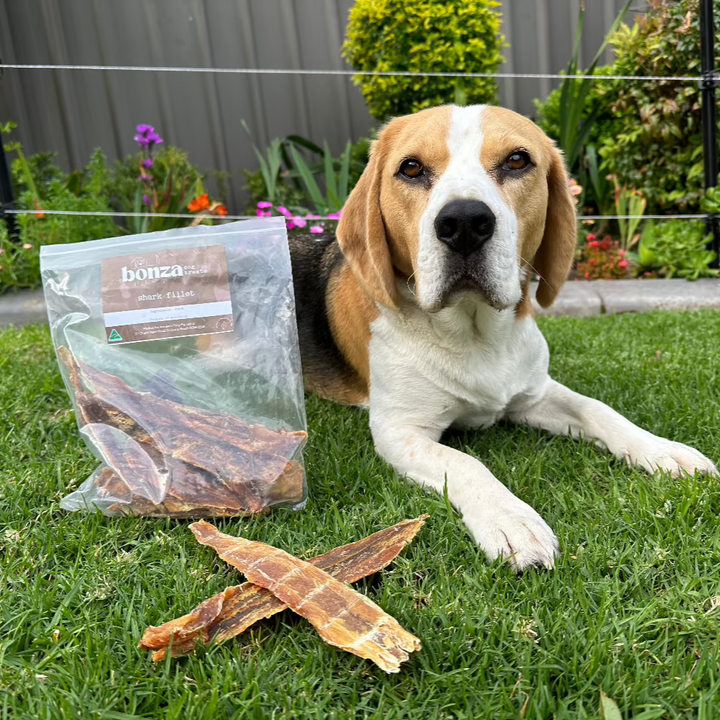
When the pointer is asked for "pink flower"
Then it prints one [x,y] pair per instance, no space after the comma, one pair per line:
[299,222]
[1,251]
[594,243]
[290,224]
[310,216]
[264,204]
[590,236]
[335,216]
[284,211]
[316,228]
[263,213]
[623,264]
[27,246]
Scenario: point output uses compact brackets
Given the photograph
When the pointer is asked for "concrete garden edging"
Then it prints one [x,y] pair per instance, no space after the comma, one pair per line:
[578,299]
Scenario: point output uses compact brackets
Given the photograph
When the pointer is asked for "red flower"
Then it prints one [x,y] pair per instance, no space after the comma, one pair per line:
[622,264]
[591,236]
[202,202]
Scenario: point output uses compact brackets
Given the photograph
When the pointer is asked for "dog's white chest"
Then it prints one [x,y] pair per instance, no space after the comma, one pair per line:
[468,364]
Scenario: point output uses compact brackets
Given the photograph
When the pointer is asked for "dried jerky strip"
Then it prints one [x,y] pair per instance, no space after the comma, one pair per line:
[193,493]
[91,410]
[204,476]
[342,616]
[247,466]
[224,427]
[129,461]
[236,608]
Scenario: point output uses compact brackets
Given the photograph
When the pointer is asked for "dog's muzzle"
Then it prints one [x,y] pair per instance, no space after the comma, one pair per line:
[465,226]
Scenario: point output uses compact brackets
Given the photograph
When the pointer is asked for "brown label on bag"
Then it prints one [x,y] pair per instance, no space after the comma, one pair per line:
[166,294]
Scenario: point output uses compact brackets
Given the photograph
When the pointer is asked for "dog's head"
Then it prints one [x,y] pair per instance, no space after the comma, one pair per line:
[460,199]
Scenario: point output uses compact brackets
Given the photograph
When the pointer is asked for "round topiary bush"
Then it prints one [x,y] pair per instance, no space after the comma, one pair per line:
[423,36]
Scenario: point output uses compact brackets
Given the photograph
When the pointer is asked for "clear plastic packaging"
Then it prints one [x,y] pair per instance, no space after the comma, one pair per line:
[179,350]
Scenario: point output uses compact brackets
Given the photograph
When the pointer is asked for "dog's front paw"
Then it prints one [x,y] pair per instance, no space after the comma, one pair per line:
[511,529]
[654,453]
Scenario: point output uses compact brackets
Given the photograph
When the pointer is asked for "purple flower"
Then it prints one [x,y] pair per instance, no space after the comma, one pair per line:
[147,163]
[264,204]
[154,138]
[299,221]
[317,229]
[145,129]
[141,140]
[146,199]
[284,211]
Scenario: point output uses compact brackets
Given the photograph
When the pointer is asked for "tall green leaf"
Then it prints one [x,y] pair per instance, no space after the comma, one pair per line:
[310,183]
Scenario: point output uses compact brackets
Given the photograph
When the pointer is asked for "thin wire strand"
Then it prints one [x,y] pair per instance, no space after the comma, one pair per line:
[85,213]
[296,71]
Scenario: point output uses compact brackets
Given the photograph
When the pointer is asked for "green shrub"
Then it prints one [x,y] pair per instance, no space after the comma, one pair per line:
[676,248]
[42,186]
[649,134]
[423,36]
[176,181]
[52,190]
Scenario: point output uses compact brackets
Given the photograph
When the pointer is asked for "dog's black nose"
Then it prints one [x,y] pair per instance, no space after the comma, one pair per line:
[465,225]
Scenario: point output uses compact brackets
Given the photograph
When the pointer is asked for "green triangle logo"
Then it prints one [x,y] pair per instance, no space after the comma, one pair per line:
[115,336]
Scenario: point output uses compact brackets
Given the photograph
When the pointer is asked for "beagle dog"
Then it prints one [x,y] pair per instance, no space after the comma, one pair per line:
[420,311]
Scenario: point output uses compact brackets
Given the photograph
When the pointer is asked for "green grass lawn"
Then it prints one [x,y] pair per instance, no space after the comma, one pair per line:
[632,607]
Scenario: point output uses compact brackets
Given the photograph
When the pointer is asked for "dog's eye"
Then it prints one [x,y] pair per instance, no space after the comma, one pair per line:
[412,168]
[518,160]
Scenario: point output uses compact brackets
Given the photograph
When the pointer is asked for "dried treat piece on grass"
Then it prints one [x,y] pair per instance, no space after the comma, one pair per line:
[342,616]
[166,458]
[236,608]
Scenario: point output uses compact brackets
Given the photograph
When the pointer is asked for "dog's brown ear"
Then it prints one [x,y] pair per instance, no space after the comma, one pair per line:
[554,257]
[361,234]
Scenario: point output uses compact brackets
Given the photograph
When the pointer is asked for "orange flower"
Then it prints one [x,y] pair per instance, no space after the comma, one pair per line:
[220,210]
[40,214]
[202,202]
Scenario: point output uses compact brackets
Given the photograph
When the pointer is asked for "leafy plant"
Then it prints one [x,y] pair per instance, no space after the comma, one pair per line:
[649,134]
[604,259]
[156,182]
[629,203]
[336,183]
[676,248]
[287,178]
[575,122]
[602,188]
[423,36]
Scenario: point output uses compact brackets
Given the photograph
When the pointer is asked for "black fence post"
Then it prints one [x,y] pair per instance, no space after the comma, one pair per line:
[6,194]
[709,112]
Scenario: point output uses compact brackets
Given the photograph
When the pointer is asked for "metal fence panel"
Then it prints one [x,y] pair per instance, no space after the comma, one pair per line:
[72,112]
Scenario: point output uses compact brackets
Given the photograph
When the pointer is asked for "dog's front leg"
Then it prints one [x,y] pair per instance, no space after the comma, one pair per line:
[564,412]
[502,524]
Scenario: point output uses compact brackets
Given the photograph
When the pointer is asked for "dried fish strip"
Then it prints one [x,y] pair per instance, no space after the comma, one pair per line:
[217,464]
[236,608]
[342,616]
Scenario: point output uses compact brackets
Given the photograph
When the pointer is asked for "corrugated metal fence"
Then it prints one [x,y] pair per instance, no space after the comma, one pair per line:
[72,112]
